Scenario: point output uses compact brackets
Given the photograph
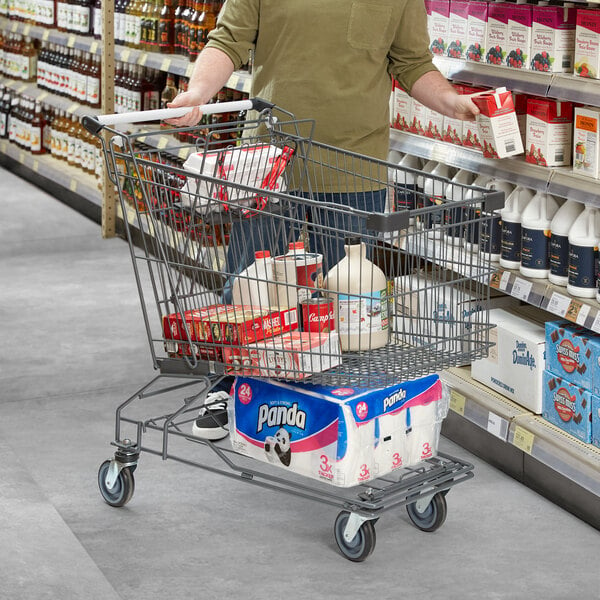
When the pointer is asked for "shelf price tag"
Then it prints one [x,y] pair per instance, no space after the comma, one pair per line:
[166,63]
[125,55]
[142,59]
[14,27]
[494,425]
[162,142]
[42,96]
[521,289]
[45,35]
[36,166]
[596,323]
[183,153]
[499,280]
[73,108]
[189,70]
[457,402]
[523,439]
[93,47]
[26,29]
[584,311]
[73,185]
[71,41]
[559,304]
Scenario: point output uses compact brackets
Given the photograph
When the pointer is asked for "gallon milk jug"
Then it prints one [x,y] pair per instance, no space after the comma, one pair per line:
[510,243]
[251,286]
[455,216]
[434,191]
[473,213]
[360,299]
[491,227]
[535,235]
[583,253]
[559,241]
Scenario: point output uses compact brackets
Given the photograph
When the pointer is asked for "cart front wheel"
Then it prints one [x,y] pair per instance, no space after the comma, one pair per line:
[122,489]
[432,517]
[361,545]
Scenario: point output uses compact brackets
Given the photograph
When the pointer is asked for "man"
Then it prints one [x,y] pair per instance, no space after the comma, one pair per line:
[331,61]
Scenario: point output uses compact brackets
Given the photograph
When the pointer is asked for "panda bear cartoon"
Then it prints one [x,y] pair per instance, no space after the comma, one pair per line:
[279,444]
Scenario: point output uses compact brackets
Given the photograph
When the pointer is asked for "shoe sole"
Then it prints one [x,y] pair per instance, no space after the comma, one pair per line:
[212,433]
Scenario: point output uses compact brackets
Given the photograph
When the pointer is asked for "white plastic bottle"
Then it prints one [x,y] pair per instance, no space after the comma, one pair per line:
[510,242]
[251,286]
[559,241]
[406,183]
[584,237]
[454,217]
[491,227]
[473,212]
[535,235]
[434,192]
[359,291]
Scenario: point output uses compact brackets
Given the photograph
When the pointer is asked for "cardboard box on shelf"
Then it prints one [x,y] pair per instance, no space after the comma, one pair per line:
[596,421]
[453,128]
[586,141]
[568,406]
[497,32]
[457,28]
[402,111]
[553,39]
[477,31]
[549,132]
[515,364]
[438,21]
[518,42]
[471,137]
[587,43]
[340,435]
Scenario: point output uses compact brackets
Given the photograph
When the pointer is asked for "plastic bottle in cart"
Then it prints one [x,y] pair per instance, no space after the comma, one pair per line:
[359,291]
[561,224]
[454,217]
[535,235]
[510,242]
[584,237]
[434,192]
[491,228]
[473,213]
[251,286]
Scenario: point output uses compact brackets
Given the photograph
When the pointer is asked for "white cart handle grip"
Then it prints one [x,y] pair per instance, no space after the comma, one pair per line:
[95,124]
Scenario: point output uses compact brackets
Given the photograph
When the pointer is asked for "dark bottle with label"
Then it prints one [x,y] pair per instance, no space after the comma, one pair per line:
[166,28]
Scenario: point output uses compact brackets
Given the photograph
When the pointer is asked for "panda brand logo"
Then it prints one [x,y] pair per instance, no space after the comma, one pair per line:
[279,445]
[273,416]
[393,399]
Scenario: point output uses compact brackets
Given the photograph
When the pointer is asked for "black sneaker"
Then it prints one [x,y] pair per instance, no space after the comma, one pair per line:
[212,420]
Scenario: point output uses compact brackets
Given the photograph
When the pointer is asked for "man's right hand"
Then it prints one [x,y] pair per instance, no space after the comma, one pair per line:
[191,118]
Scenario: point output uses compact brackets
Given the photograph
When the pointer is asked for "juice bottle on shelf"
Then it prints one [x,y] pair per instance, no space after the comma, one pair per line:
[135,92]
[48,116]
[153,23]
[150,92]
[178,27]
[4,114]
[193,34]
[472,214]
[584,237]
[169,92]
[13,119]
[38,125]
[535,235]
[119,75]
[72,132]
[29,54]
[144,23]
[166,28]
[559,241]
[429,166]
[93,82]
[206,23]
[491,227]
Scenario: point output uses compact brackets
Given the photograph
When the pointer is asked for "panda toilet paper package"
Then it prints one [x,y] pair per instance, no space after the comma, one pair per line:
[341,435]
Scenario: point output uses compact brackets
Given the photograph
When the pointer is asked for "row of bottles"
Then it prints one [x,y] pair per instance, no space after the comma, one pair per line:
[18,57]
[41,12]
[74,16]
[70,72]
[137,88]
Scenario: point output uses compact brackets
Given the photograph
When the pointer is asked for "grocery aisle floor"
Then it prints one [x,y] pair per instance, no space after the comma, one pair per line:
[73,347]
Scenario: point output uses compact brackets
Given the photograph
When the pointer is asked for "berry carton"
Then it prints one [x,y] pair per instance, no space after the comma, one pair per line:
[434,124]
[453,128]
[438,19]
[586,141]
[470,135]
[553,39]
[518,40]
[498,125]
[419,118]
[568,406]
[477,31]
[520,102]
[587,43]
[549,132]
[457,28]
[497,33]
[402,111]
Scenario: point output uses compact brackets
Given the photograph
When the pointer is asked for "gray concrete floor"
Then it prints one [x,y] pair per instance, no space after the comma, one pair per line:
[73,347]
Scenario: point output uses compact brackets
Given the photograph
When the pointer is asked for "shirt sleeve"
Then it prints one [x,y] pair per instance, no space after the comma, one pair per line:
[236,30]
[409,56]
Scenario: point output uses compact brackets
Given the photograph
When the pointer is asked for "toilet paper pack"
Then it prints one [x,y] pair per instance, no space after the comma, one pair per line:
[341,435]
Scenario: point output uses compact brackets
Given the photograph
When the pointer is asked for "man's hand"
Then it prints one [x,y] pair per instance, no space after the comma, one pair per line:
[186,99]
[464,108]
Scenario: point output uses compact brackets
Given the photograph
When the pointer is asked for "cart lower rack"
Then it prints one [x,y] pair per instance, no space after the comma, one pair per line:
[306,270]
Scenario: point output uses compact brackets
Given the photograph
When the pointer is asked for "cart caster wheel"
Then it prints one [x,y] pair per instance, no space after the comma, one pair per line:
[122,490]
[361,545]
[432,517]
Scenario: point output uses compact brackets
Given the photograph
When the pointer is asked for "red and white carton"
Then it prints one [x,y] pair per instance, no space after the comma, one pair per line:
[498,125]
[420,118]
[520,102]
[453,128]
[220,325]
[587,43]
[296,355]
[518,43]
[402,111]
[549,132]
[586,143]
[438,20]
[470,130]
[457,28]
[434,124]
[497,32]
[553,39]
[477,31]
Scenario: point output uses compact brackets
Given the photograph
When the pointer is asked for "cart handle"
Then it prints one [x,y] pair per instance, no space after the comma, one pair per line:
[95,124]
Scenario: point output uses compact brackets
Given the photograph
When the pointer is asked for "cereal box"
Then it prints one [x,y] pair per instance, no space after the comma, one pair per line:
[573,352]
[549,132]
[568,406]
[518,41]
[457,28]
[586,141]
[587,43]
[553,39]
[497,33]
[498,125]
[477,31]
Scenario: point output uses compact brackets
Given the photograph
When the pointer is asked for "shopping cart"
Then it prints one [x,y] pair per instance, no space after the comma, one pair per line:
[198,202]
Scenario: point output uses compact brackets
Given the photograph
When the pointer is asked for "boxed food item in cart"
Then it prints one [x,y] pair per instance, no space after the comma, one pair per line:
[341,435]
[515,363]
[294,355]
[568,406]
[498,125]
[224,325]
[253,165]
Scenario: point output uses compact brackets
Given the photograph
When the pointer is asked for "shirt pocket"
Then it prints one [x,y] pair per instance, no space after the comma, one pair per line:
[370,26]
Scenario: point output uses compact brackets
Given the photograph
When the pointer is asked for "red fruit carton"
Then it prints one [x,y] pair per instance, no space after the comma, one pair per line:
[476,31]
[497,32]
[220,325]
[470,129]
[518,43]
[549,132]
[553,39]
[498,125]
[457,28]
[453,128]
[402,111]
[438,19]
[587,43]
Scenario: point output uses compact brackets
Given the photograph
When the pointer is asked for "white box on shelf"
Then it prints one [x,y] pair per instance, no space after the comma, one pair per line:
[586,141]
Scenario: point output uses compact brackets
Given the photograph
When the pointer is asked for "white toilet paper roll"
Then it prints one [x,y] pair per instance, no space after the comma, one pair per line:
[390,452]
[422,438]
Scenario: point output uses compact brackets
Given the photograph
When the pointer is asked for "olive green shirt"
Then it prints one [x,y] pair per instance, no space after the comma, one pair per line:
[330,60]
